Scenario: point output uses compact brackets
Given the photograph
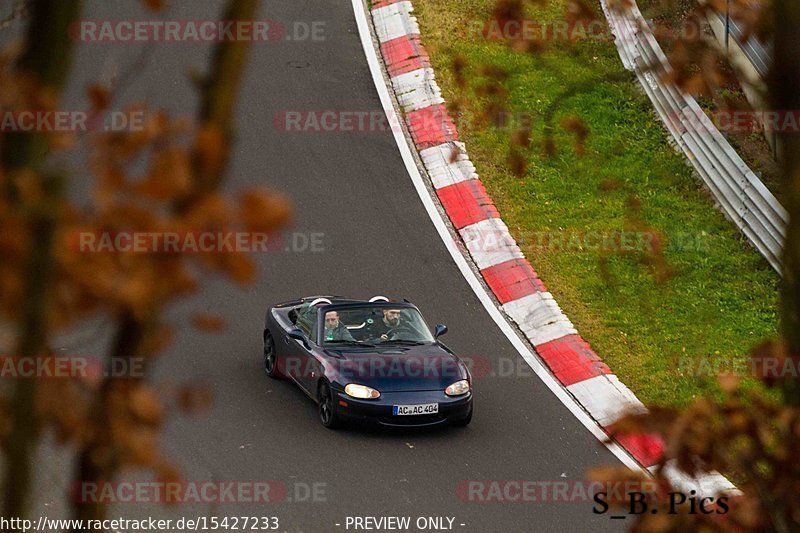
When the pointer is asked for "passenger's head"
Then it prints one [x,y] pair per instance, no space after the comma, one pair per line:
[331,320]
[391,316]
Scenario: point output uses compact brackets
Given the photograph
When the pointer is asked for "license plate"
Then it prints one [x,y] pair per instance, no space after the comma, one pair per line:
[422,409]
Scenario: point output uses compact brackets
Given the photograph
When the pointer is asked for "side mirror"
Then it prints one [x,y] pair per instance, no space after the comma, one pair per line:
[439,330]
[297,333]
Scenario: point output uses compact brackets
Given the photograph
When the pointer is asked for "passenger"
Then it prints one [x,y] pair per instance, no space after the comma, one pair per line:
[334,329]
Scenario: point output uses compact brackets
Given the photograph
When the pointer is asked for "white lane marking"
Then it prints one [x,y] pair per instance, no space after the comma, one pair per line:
[405,151]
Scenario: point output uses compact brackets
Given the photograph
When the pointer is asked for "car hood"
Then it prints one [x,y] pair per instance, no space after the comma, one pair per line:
[398,368]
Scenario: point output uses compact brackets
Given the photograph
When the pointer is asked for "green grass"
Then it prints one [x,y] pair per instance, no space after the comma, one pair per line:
[720,298]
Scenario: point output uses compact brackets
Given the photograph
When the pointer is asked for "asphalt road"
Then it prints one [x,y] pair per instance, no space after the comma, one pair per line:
[377,239]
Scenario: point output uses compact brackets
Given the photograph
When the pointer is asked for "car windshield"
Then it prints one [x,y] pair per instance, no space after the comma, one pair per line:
[375,325]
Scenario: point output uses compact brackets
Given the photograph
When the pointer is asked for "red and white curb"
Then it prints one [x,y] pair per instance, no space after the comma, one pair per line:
[511,278]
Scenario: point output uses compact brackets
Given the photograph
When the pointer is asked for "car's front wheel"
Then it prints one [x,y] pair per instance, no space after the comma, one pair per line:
[271,357]
[327,408]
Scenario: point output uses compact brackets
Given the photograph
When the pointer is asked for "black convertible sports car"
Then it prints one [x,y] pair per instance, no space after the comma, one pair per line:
[373,361]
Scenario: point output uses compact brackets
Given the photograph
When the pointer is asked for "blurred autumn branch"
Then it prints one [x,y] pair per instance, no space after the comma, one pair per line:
[749,434]
[47,284]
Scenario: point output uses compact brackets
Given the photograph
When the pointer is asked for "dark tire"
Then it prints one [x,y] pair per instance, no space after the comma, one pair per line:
[327,408]
[464,422]
[271,357]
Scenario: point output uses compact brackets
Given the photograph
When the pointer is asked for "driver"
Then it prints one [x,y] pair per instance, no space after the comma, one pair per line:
[391,320]
[334,329]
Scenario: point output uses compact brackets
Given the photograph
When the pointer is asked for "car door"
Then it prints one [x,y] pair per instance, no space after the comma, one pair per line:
[298,352]
[309,366]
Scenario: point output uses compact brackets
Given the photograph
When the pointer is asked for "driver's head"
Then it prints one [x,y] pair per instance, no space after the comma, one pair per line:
[331,320]
[391,316]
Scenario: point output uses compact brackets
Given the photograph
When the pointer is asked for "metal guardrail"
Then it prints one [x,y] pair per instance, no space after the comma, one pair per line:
[739,193]
[758,53]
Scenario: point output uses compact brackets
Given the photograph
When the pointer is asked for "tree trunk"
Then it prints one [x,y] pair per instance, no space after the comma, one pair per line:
[46,59]
[784,85]
[96,459]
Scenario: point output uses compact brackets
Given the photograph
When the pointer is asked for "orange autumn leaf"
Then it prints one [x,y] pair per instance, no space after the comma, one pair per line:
[158,340]
[99,97]
[211,210]
[194,398]
[577,127]
[169,177]
[153,5]
[167,472]
[240,268]
[144,406]
[208,322]
[261,210]
[141,445]
[517,163]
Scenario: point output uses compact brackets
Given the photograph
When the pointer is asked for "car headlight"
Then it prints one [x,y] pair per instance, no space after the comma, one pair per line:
[362,391]
[458,388]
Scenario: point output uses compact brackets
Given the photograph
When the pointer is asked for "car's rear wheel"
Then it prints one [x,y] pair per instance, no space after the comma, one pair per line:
[464,421]
[327,407]
[271,357]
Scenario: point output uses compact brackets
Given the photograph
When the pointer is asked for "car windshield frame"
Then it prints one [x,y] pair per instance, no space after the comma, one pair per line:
[420,326]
